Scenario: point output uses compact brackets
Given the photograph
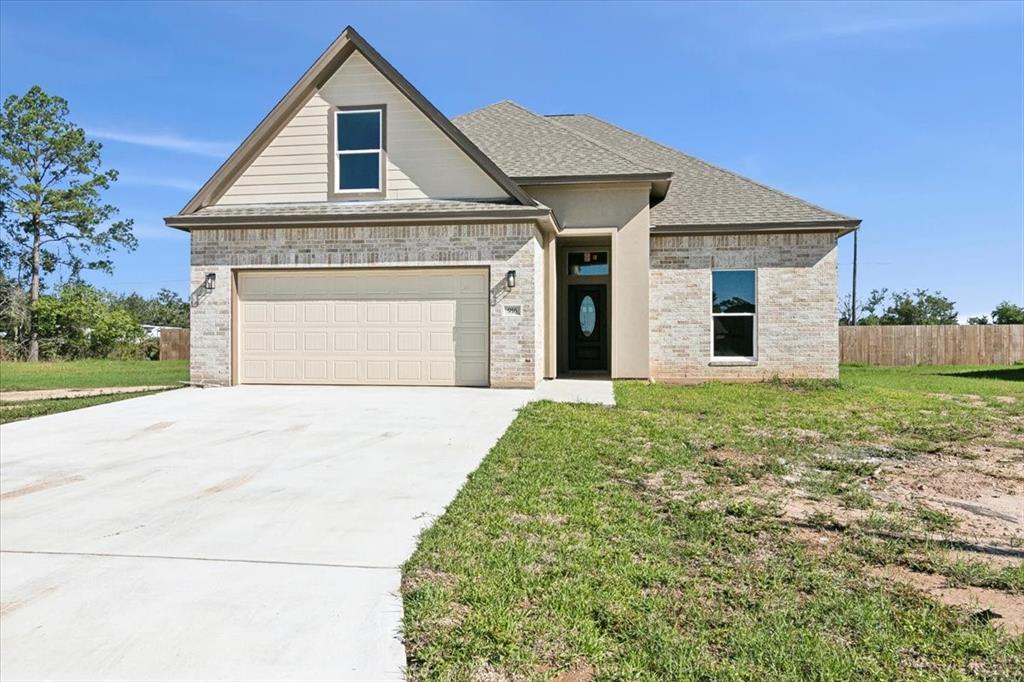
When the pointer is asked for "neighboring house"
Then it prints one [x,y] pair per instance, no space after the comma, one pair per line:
[358,236]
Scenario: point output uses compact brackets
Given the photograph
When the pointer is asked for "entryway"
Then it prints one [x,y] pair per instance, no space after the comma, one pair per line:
[584,308]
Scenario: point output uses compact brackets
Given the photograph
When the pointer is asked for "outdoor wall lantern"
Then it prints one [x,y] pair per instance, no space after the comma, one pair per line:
[510,279]
[210,281]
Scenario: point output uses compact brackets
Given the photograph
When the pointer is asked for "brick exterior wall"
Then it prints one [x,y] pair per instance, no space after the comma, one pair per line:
[516,358]
[797,327]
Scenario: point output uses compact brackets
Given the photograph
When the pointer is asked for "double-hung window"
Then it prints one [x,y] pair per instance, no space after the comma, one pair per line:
[734,314]
[359,137]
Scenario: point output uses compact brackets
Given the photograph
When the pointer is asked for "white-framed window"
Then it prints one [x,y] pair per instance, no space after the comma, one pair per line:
[734,314]
[359,140]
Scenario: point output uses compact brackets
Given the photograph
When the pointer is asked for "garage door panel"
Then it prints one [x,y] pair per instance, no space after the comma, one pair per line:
[346,313]
[377,312]
[254,341]
[283,342]
[254,313]
[346,342]
[314,313]
[285,312]
[314,342]
[425,326]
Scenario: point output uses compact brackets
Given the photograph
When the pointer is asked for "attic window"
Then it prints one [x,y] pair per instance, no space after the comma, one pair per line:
[359,136]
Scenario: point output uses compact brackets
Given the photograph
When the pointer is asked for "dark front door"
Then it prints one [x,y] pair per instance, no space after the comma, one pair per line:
[588,327]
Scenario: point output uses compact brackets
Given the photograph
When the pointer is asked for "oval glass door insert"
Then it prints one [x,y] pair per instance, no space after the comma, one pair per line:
[588,316]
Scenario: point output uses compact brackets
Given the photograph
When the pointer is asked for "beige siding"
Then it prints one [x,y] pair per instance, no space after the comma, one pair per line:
[421,161]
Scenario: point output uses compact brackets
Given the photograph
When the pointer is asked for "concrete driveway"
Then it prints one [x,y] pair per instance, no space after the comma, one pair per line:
[251,533]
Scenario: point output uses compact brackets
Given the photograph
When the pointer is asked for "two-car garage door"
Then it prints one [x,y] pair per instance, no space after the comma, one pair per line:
[398,326]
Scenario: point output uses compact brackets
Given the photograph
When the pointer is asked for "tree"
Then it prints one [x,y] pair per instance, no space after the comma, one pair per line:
[166,309]
[980,319]
[51,212]
[1008,313]
[868,313]
[79,321]
[920,307]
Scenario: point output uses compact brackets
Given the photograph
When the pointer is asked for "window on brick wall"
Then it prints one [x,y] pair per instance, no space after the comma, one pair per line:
[734,314]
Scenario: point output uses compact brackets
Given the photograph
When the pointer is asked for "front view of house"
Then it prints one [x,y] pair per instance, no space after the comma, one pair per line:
[357,236]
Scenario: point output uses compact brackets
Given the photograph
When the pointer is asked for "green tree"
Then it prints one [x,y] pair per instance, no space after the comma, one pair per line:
[166,309]
[1008,313]
[867,313]
[51,212]
[980,319]
[919,307]
[79,321]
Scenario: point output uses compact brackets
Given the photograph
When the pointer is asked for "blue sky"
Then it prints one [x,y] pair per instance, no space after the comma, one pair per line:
[909,116]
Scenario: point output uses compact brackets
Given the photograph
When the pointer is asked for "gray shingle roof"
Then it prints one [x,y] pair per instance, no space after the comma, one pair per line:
[526,145]
[701,194]
[579,145]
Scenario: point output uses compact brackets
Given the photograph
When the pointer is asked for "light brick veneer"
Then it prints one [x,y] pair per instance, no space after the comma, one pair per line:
[797,332]
[516,353]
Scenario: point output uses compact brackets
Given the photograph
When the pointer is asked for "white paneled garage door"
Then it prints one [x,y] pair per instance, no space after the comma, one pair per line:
[396,326]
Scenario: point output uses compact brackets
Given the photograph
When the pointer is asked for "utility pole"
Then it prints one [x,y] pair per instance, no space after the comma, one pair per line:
[853,296]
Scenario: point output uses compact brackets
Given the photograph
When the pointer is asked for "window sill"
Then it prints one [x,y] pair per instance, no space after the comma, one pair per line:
[733,363]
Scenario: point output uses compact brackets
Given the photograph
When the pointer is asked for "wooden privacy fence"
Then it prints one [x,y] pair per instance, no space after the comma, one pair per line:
[174,344]
[981,344]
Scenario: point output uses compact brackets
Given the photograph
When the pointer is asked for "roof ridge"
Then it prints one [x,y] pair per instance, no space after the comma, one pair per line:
[606,147]
[486,106]
[714,167]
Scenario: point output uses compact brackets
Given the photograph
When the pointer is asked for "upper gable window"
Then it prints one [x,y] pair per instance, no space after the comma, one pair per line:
[359,135]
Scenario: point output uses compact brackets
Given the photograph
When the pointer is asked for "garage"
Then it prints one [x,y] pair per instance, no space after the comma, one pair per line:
[402,326]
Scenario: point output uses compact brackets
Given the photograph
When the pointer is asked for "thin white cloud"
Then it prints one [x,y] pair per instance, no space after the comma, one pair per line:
[167,141]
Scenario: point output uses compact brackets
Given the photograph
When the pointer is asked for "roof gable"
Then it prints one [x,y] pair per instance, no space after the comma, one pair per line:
[305,91]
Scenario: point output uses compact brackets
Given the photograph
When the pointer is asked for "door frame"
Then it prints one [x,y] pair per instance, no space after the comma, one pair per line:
[579,244]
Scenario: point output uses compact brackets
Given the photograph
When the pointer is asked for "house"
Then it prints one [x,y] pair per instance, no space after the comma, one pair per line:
[358,236]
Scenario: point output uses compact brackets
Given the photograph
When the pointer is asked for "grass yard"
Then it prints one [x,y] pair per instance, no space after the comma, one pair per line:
[25,376]
[867,528]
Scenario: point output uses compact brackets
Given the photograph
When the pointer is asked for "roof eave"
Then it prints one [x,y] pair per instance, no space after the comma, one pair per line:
[186,222]
[840,227]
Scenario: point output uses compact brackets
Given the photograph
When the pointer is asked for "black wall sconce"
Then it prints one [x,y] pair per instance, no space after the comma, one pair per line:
[210,281]
[510,279]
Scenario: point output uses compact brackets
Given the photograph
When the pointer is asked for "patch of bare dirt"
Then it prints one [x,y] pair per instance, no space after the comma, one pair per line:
[419,577]
[968,398]
[1005,610]
[581,673]
[985,494]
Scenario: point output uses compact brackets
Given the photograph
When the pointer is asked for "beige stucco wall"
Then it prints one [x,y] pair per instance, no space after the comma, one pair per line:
[797,327]
[421,160]
[620,213]
[516,342]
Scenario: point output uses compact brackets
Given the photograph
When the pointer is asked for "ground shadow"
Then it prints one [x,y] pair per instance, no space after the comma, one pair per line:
[1010,374]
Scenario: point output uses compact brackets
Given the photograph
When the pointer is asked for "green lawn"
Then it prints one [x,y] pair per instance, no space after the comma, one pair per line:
[24,376]
[12,412]
[724,532]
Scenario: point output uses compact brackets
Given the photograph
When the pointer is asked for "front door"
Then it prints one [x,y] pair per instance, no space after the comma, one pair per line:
[588,328]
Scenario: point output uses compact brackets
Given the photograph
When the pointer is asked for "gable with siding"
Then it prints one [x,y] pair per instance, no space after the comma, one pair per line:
[422,162]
